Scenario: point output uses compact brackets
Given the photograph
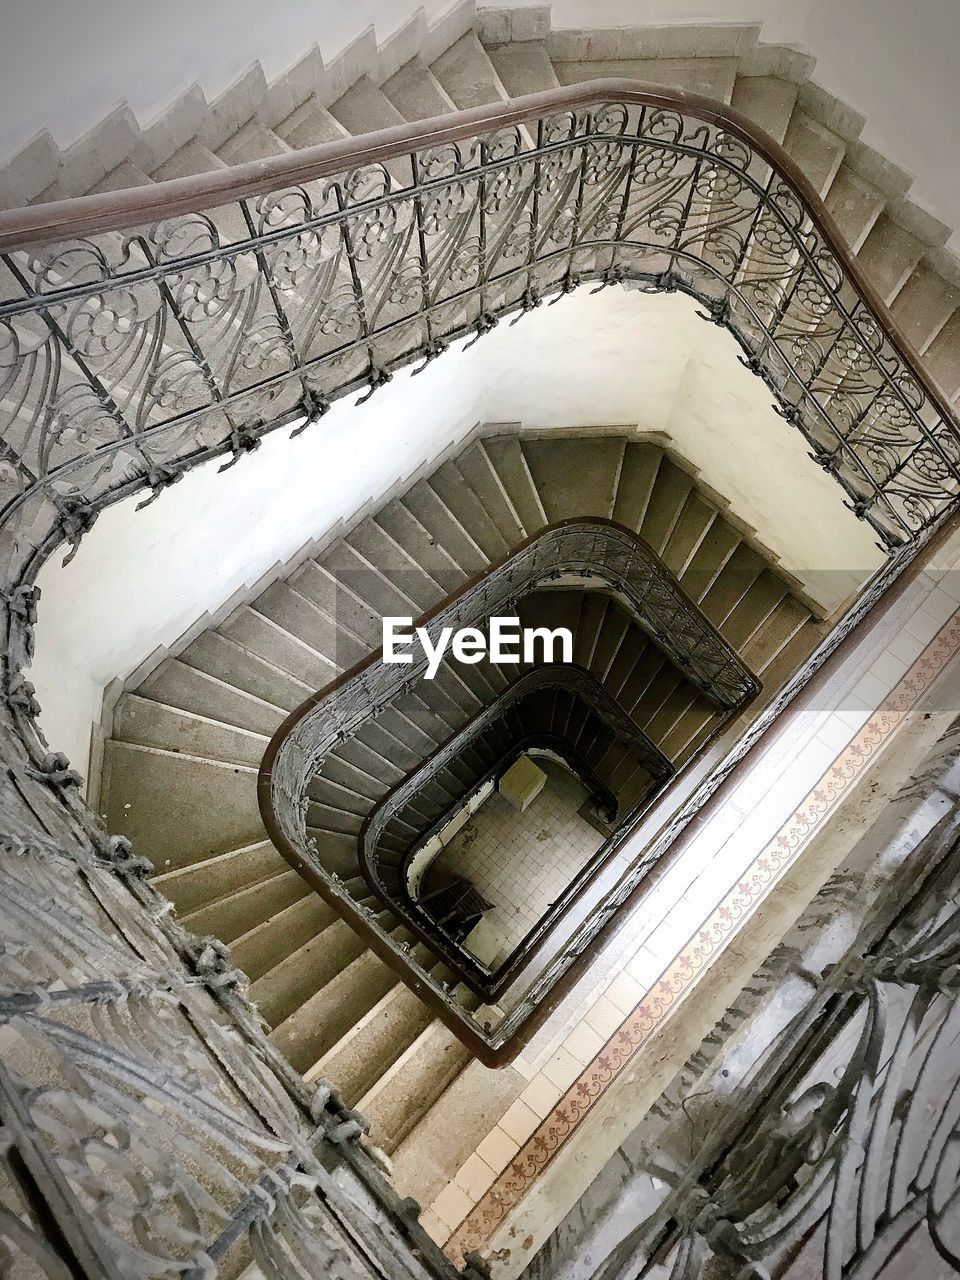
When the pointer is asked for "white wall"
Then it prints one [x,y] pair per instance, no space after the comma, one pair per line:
[64,65]
[618,357]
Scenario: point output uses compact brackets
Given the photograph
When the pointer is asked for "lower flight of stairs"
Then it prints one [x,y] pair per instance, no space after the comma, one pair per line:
[181,764]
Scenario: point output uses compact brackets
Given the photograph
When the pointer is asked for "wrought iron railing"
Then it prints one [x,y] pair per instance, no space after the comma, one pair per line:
[384,875]
[145,331]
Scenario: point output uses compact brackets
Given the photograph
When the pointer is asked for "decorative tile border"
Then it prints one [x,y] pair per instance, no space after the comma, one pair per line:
[680,976]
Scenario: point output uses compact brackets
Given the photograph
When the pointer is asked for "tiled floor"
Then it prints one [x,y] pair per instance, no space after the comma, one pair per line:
[699,905]
[522,862]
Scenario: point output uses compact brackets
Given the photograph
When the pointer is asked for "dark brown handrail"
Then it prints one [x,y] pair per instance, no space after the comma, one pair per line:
[121,210]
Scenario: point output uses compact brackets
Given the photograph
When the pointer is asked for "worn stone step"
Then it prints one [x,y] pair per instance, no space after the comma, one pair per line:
[478,472]
[463,504]
[154,724]
[235,914]
[923,306]
[396,1103]
[458,1122]
[523,67]
[575,476]
[139,782]
[371,541]
[369,1020]
[269,639]
[507,459]
[254,141]
[226,660]
[855,205]
[193,888]
[430,510]
[179,685]
[310,125]
[817,150]
[767,100]
[305,971]
[399,522]
[366,109]
[467,74]
[416,92]
[711,77]
[277,936]
[889,255]
[672,490]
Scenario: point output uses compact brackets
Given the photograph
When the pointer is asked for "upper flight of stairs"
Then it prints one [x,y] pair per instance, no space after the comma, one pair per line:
[181,765]
[467,59]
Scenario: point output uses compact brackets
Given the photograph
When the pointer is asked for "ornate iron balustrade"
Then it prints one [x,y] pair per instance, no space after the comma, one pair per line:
[378,876]
[599,550]
[145,331]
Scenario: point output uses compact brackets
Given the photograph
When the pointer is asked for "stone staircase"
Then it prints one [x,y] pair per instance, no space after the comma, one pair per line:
[467,59]
[181,763]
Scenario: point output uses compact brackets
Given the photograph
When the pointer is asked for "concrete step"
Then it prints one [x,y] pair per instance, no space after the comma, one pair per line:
[235,914]
[154,724]
[460,1119]
[179,685]
[524,67]
[404,1094]
[923,306]
[416,92]
[478,472]
[268,638]
[226,660]
[467,74]
[139,783]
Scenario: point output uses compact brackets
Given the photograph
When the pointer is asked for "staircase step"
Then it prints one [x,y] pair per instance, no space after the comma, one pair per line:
[154,724]
[416,92]
[575,476]
[236,914]
[304,972]
[139,783]
[524,67]
[478,472]
[889,255]
[406,1092]
[507,458]
[190,689]
[817,150]
[855,205]
[253,142]
[196,887]
[425,504]
[767,100]
[269,639]
[277,936]
[371,541]
[942,357]
[366,109]
[366,1027]
[464,505]
[190,159]
[464,1114]
[467,74]
[711,77]
[421,545]
[228,661]
[923,306]
[310,126]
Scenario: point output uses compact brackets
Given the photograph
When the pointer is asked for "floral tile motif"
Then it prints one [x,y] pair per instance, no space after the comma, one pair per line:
[513,1184]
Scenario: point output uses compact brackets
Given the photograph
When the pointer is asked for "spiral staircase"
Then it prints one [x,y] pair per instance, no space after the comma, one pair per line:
[185,739]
